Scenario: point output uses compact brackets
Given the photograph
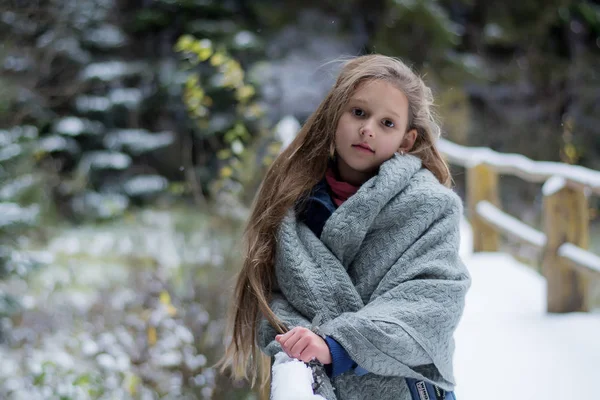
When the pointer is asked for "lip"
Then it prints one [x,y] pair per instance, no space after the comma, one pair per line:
[364,146]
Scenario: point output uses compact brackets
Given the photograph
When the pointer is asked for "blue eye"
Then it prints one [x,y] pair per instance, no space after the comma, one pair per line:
[358,112]
[388,123]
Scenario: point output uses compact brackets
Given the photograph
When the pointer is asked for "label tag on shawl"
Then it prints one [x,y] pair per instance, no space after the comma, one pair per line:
[421,390]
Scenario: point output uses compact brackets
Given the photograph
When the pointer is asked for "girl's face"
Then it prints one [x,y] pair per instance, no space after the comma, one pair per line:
[371,129]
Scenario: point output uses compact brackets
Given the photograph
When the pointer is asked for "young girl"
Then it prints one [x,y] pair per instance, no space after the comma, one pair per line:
[352,261]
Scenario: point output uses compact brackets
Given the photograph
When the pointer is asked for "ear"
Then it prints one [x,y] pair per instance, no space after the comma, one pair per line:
[408,141]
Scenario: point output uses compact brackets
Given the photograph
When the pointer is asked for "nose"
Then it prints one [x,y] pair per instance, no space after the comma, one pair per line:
[366,129]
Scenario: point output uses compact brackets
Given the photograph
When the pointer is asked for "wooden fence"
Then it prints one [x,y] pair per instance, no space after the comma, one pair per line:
[567,264]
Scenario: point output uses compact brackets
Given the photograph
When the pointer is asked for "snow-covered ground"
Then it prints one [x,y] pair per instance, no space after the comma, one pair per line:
[508,347]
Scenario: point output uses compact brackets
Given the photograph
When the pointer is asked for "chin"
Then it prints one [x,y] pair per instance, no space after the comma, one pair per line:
[362,168]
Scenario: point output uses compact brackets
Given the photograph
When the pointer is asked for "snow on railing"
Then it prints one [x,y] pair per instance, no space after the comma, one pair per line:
[582,259]
[565,237]
[521,166]
[510,225]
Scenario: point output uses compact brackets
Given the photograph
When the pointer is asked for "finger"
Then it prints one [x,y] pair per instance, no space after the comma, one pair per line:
[285,343]
[299,333]
[300,346]
[284,336]
[289,333]
[286,351]
[291,341]
[309,353]
[282,339]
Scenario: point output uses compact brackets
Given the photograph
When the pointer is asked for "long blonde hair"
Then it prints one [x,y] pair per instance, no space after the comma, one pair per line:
[291,177]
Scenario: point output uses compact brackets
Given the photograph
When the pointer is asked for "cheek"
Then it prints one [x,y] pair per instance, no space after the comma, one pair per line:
[345,121]
[345,126]
[341,128]
[390,145]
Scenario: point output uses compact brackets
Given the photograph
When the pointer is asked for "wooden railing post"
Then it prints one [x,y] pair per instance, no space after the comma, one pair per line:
[482,184]
[566,219]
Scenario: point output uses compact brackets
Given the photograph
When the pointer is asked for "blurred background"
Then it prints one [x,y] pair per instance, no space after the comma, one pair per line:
[134,133]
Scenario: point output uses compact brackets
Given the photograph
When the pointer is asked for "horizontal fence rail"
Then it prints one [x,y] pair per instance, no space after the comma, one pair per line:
[509,225]
[581,259]
[521,166]
[567,264]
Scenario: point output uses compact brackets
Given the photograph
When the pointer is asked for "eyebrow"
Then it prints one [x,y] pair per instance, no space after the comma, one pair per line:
[366,103]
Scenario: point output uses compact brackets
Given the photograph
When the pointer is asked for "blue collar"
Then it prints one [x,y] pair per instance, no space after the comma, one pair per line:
[318,208]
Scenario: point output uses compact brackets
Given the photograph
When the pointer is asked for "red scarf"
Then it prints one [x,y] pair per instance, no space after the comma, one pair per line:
[341,190]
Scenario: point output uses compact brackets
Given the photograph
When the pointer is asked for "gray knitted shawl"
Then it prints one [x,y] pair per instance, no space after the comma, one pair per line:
[384,279]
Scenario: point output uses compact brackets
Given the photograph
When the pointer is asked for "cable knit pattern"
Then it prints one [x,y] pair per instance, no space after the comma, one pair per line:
[384,280]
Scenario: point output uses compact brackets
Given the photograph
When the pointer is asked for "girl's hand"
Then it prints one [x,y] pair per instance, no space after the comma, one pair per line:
[305,345]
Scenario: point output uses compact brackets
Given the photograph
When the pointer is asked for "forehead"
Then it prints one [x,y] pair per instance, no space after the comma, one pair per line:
[381,96]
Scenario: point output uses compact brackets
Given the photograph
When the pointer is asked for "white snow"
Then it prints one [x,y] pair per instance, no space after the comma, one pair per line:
[510,224]
[110,70]
[493,31]
[106,37]
[244,39]
[86,104]
[105,160]
[237,147]
[553,185]
[13,213]
[580,256]
[10,151]
[508,347]
[137,141]
[70,125]
[519,165]
[129,97]
[145,184]
[466,239]
[16,187]
[291,380]
[286,130]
